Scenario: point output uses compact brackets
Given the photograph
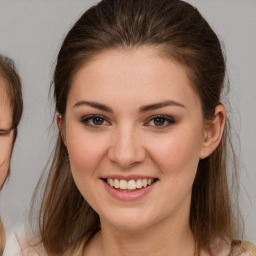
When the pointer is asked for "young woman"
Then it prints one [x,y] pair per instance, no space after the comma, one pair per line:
[140,166]
[10,114]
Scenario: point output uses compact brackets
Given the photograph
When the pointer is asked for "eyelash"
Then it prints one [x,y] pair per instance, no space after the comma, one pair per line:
[4,132]
[168,121]
[90,118]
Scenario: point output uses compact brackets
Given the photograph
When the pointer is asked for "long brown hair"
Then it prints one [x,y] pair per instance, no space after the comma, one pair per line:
[12,85]
[179,31]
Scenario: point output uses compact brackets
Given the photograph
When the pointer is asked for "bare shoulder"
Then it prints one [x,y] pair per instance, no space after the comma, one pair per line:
[242,248]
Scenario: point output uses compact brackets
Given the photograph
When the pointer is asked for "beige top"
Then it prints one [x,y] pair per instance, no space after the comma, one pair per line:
[245,248]
[238,248]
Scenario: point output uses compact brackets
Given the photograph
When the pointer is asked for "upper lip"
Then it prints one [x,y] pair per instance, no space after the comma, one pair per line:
[130,177]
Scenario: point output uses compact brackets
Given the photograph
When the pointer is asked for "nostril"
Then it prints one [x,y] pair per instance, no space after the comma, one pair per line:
[125,150]
[126,159]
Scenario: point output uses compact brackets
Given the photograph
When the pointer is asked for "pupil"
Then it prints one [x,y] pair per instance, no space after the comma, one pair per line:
[159,121]
[98,120]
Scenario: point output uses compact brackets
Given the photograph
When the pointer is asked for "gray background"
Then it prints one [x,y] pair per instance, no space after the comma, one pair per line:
[31,33]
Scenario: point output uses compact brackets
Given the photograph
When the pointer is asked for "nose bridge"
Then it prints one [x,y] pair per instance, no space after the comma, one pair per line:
[126,147]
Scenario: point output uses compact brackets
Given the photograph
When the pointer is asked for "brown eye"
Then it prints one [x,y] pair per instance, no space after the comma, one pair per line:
[159,121]
[97,120]
[4,132]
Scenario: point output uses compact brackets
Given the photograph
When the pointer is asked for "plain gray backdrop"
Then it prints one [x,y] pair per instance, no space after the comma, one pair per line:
[31,32]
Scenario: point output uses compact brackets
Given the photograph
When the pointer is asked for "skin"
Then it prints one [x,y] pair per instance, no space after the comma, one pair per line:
[6,139]
[130,142]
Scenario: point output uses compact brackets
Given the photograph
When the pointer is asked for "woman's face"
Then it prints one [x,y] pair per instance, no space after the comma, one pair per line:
[6,136]
[134,132]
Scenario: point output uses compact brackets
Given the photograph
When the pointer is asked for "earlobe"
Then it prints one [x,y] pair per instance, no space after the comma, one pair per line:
[59,121]
[213,132]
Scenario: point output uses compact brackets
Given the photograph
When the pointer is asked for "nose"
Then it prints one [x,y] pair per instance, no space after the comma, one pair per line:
[126,148]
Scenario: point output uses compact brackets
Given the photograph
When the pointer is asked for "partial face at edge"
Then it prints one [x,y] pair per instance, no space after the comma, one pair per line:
[134,115]
[6,138]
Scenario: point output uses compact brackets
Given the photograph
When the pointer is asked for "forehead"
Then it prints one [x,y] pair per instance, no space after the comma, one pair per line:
[5,100]
[5,106]
[133,73]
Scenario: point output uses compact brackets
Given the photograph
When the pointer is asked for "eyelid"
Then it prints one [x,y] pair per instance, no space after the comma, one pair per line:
[4,132]
[85,120]
[167,118]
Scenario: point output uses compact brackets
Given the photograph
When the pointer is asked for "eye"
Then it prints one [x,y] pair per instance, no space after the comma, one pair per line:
[95,120]
[160,121]
[4,132]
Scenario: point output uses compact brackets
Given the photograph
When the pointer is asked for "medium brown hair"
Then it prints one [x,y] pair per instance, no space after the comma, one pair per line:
[180,33]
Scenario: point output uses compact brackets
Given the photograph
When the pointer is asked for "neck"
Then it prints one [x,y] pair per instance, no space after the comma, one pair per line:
[163,238]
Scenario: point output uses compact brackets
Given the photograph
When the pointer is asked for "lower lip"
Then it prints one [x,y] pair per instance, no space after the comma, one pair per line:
[128,196]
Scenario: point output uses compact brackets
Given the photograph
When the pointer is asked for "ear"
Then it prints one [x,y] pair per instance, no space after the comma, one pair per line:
[59,121]
[213,131]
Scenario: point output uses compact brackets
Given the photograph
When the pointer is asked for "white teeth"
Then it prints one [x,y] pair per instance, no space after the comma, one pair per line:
[139,184]
[144,182]
[123,184]
[116,183]
[130,184]
[111,182]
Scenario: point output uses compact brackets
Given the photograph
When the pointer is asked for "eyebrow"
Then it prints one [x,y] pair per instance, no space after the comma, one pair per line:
[93,105]
[142,109]
[163,104]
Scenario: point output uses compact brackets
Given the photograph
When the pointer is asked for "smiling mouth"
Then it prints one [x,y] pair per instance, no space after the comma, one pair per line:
[129,185]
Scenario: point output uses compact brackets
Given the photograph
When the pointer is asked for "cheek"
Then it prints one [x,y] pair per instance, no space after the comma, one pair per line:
[85,151]
[5,157]
[178,152]
[172,151]
[176,158]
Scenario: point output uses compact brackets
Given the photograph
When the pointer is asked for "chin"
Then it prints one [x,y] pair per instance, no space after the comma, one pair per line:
[128,219]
